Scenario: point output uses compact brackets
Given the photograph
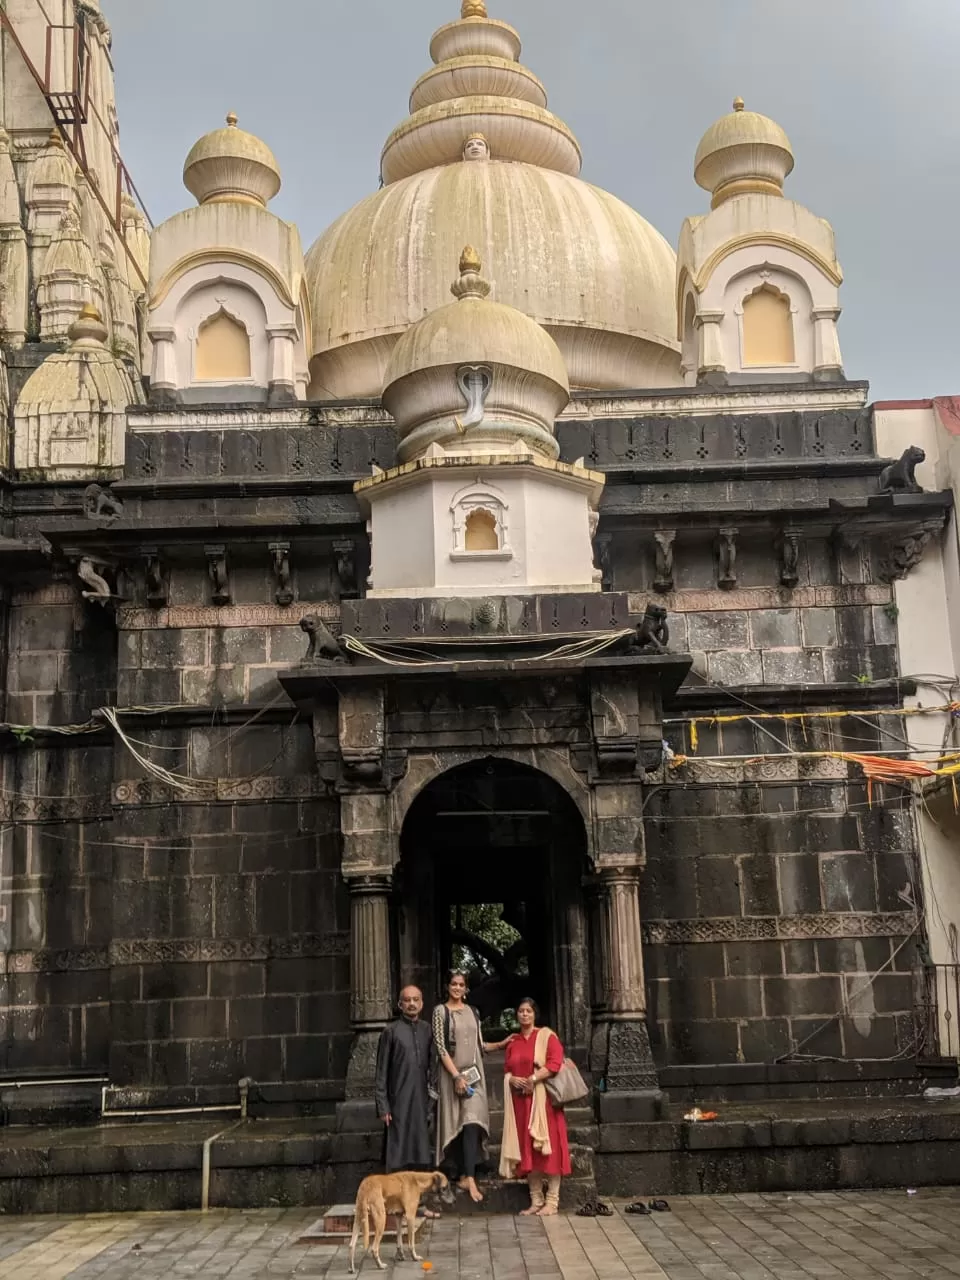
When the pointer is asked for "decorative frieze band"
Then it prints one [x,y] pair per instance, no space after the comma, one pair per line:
[188,617]
[857,593]
[306,946]
[63,809]
[141,791]
[75,960]
[891,924]
[772,769]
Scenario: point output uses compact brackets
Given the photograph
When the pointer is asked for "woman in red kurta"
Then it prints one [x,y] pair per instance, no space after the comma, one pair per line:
[526,1075]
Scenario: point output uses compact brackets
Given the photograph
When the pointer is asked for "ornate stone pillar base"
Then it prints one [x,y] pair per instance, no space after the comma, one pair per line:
[621,1059]
[624,1061]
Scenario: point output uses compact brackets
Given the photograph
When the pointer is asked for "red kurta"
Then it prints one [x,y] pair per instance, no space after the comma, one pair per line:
[519,1062]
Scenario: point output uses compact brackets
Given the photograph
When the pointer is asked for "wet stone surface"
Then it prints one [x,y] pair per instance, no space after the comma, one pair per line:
[824,1236]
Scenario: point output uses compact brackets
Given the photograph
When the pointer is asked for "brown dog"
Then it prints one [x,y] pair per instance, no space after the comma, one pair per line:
[398,1193]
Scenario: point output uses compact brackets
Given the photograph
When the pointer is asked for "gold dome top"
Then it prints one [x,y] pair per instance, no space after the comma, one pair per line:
[230,165]
[570,256]
[743,153]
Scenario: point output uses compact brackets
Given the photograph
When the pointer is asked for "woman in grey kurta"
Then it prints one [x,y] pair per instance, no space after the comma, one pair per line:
[463,1116]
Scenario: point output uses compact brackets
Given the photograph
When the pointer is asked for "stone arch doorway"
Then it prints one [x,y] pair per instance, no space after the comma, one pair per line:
[493,856]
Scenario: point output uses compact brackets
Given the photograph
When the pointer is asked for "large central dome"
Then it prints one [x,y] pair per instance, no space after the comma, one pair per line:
[482,160]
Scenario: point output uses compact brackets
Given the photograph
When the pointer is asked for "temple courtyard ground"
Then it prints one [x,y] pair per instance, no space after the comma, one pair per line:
[825,1236]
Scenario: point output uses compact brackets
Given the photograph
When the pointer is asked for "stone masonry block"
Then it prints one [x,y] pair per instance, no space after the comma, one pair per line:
[802,996]
[173,648]
[247,645]
[799,876]
[793,666]
[775,628]
[710,631]
[738,666]
[848,882]
[819,628]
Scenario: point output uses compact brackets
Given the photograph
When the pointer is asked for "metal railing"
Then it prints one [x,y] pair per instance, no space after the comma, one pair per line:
[938,1010]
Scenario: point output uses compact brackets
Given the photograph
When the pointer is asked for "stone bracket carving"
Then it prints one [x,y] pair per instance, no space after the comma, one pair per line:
[626,727]
[727,559]
[903,553]
[280,556]
[345,554]
[90,571]
[789,558]
[219,575]
[663,578]
[155,580]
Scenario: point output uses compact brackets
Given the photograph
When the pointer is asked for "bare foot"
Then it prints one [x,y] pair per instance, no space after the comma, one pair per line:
[548,1211]
[531,1212]
[475,1193]
[464,1184]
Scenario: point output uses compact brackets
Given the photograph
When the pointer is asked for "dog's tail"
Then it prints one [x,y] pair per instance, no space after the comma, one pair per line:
[360,1213]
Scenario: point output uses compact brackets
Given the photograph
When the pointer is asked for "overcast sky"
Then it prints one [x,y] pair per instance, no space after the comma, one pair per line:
[864,88]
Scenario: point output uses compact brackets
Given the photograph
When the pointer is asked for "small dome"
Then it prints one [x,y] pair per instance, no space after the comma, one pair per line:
[231,165]
[87,376]
[743,153]
[429,375]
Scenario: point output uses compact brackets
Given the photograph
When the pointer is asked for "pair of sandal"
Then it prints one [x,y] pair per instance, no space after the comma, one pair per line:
[594,1209]
[654,1206]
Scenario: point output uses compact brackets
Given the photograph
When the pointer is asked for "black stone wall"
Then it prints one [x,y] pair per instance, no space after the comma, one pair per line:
[179,943]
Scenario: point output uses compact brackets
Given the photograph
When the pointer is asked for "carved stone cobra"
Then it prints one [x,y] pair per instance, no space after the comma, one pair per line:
[474,381]
[900,476]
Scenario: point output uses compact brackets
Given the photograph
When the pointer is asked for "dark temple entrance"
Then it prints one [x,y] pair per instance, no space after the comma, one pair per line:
[493,856]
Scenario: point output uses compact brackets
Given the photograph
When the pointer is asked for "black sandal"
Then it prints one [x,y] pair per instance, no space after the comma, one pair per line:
[587,1210]
[637,1207]
[660,1206]
[603,1210]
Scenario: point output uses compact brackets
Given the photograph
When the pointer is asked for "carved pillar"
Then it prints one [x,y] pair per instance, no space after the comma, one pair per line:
[713,367]
[827,361]
[620,1050]
[164,381]
[283,361]
[370,982]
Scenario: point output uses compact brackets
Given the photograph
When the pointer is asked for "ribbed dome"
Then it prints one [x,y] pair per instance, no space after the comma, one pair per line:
[482,159]
[231,165]
[743,153]
[527,378]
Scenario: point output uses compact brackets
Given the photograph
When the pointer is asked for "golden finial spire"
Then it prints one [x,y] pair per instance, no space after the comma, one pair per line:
[473,9]
[738,104]
[471,284]
[232,119]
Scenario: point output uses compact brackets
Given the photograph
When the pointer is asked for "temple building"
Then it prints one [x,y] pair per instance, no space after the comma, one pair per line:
[489,584]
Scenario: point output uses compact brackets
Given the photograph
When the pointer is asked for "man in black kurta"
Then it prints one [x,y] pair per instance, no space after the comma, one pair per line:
[405,1060]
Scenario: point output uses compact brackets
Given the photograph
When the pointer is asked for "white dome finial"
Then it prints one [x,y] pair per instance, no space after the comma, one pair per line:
[744,153]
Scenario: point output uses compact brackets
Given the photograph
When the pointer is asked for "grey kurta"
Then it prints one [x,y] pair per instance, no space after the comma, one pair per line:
[405,1058]
[453,1112]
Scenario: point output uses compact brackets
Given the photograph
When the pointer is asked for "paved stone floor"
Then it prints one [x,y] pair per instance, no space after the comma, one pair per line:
[827,1236]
